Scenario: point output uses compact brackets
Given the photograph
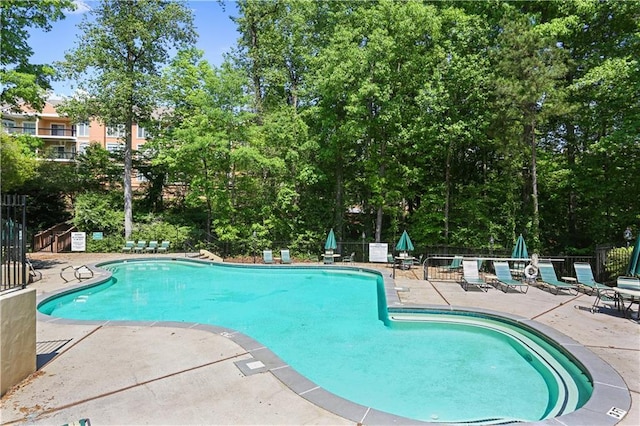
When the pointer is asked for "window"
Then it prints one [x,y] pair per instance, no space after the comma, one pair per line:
[8,125]
[57,129]
[29,127]
[140,177]
[115,131]
[82,129]
[114,146]
[82,147]
[142,133]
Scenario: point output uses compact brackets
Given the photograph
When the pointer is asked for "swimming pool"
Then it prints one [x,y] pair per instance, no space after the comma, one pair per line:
[333,327]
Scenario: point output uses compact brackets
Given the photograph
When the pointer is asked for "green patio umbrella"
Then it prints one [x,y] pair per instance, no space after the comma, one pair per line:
[634,262]
[405,243]
[520,249]
[331,244]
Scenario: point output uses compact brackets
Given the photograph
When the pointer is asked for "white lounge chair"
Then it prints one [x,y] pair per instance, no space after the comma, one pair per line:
[139,248]
[164,247]
[285,256]
[470,275]
[349,259]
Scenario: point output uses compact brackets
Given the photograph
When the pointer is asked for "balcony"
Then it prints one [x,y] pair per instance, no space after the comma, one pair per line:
[13,130]
[44,132]
[56,133]
[63,155]
[57,154]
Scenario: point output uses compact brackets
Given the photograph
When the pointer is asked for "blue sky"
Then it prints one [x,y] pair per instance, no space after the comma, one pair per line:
[217,34]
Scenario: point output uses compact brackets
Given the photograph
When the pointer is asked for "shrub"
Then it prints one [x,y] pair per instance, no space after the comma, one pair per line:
[617,261]
[159,230]
[94,212]
[108,244]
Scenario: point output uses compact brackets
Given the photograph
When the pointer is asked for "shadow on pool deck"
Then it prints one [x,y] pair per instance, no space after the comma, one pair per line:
[181,374]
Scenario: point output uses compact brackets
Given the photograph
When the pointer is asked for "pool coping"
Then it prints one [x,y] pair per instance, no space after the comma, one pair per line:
[610,392]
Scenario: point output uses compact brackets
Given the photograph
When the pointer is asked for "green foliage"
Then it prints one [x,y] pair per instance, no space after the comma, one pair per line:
[17,162]
[159,230]
[108,244]
[117,64]
[46,184]
[617,261]
[97,168]
[46,203]
[141,32]
[95,212]
[21,81]
[458,121]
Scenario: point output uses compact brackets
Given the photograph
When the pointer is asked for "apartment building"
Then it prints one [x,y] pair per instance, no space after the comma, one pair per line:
[64,139]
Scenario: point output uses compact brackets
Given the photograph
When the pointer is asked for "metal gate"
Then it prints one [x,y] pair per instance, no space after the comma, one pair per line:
[13,243]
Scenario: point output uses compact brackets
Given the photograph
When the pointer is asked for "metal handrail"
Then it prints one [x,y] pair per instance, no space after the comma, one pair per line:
[34,275]
[82,272]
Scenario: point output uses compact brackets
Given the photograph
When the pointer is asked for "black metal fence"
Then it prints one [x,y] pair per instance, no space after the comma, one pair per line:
[611,261]
[446,268]
[607,263]
[13,242]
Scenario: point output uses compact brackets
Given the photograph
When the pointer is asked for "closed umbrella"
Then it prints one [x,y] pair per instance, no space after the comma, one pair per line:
[331,244]
[634,263]
[519,252]
[520,249]
[405,243]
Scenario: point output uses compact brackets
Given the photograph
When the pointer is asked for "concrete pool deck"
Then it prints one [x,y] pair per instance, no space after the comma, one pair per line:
[179,374]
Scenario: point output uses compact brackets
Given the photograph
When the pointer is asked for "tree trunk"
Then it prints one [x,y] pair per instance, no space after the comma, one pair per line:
[381,174]
[447,192]
[128,125]
[573,202]
[255,71]
[207,199]
[128,192]
[534,187]
[337,220]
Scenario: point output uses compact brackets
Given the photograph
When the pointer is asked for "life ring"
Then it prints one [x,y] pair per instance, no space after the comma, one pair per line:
[530,272]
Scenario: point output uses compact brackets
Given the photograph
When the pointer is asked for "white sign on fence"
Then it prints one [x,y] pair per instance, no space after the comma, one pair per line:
[78,241]
[378,252]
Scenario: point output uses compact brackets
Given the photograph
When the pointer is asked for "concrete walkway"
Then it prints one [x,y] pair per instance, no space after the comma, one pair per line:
[176,374]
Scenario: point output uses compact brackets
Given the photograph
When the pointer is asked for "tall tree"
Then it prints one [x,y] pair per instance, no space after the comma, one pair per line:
[206,141]
[530,70]
[117,62]
[21,81]
[450,129]
[602,143]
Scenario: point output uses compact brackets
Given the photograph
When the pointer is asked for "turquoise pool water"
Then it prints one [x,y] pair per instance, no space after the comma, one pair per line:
[333,327]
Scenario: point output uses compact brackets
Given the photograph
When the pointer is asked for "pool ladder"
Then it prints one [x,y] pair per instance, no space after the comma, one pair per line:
[82,272]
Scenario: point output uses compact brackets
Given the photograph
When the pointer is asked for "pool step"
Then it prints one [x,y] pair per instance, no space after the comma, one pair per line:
[206,254]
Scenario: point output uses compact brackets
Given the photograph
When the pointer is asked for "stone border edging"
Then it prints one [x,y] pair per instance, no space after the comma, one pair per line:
[609,389]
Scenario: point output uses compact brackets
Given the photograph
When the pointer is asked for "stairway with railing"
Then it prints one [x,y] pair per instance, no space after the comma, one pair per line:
[55,239]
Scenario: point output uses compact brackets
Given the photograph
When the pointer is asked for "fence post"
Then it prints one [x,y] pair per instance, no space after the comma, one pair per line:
[13,241]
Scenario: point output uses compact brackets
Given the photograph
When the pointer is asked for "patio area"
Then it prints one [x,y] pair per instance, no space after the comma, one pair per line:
[183,374]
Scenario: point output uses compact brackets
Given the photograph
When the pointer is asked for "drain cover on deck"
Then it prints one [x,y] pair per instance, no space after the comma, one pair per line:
[250,366]
[616,412]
